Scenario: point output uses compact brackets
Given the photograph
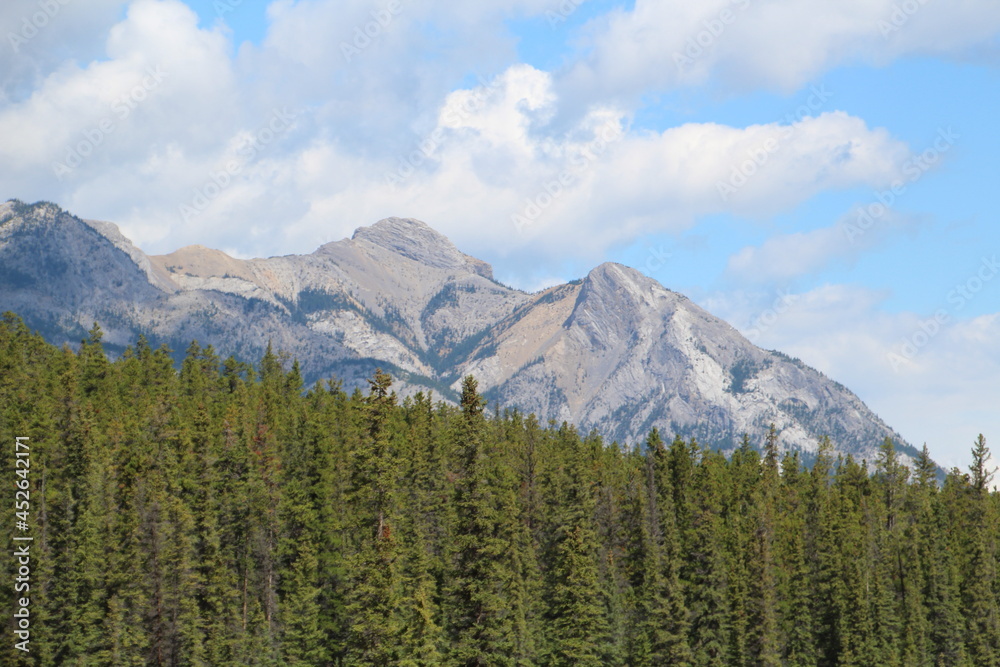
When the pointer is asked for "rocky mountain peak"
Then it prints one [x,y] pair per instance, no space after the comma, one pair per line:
[615,351]
[617,275]
[416,240]
[616,283]
[42,211]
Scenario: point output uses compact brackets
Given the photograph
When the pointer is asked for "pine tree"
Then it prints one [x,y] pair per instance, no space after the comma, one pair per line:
[424,512]
[738,509]
[254,524]
[764,643]
[575,620]
[981,584]
[486,591]
[706,573]
[421,635]
[661,624]
[375,629]
[795,581]
[303,638]
[981,474]
[944,594]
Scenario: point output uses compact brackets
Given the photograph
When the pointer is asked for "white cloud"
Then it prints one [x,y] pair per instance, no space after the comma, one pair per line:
[784,257]
[37,36]
[375,91]
[159,67]
[780,44]
[474,155]
[488,168]
[488,174]
[485,154]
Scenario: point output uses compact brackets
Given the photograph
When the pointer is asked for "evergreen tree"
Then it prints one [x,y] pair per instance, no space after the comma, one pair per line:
[795,582]
[375,630]
[486,591]
[303,638]
[981,474]
[981,583]
[575,620]
[254,522]
[706,577]
[661,624]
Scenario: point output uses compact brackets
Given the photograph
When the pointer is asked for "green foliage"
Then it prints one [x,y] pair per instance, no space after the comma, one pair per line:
[220,515]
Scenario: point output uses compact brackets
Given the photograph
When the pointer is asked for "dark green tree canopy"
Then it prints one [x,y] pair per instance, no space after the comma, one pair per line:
[223,514]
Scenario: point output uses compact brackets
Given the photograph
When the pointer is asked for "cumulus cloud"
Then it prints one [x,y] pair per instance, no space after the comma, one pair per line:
[484,164]
[349,111]
[780,44]
[483,161]
[38,36]
[491,177]
[375,72]
[119,133]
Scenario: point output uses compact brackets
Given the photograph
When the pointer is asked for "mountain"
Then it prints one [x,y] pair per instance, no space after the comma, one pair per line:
[615,351]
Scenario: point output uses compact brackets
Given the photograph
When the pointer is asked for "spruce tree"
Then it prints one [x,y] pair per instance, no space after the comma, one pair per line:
[575,619]
[486,592]
[302,639]
[660,626]
[706,576]
[375,587]
[254,524]
[981,583]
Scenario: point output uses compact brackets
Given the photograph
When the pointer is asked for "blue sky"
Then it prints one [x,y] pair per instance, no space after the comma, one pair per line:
[726,148]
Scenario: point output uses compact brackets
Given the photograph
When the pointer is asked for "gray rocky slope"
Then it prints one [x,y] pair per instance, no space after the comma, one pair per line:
[615,351]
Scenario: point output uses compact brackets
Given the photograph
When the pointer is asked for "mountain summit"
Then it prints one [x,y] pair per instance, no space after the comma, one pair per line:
[416,240]
[615,351]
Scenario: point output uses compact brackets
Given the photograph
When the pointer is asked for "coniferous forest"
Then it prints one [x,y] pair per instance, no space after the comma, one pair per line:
[223,514]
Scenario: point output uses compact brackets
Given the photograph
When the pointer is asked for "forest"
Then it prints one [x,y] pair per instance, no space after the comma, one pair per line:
[222,513]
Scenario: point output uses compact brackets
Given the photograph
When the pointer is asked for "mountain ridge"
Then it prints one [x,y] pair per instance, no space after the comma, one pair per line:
[614,351]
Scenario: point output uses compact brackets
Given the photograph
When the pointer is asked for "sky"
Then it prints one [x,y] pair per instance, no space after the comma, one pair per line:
[820,174]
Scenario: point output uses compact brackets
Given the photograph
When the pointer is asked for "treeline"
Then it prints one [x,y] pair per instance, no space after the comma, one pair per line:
[221,515]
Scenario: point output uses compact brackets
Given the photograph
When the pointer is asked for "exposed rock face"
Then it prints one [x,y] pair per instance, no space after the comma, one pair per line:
[61,274]
[414,240]
[621,353]
[615,351]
